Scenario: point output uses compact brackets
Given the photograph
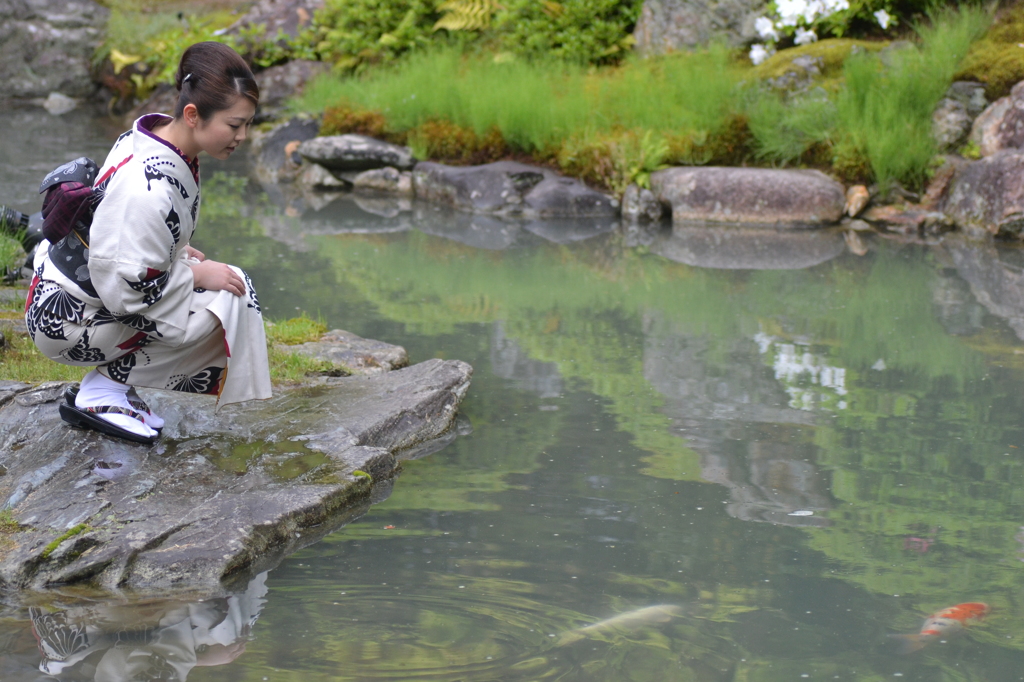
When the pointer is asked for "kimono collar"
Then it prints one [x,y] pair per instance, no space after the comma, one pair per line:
[145,127]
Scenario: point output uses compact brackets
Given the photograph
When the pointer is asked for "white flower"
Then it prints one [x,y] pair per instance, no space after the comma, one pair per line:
[790,11]
[803,37]
[765,28]
[759,53]
[833,6]
[813,10]
[884,18]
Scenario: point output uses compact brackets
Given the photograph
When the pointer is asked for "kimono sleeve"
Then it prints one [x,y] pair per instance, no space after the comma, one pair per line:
[137,264]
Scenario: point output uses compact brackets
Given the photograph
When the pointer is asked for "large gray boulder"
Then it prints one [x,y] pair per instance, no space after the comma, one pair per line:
[1001,125]
[274,156]
[672,25]
[279,83]
[749,248]
[508,188]
[223,494]
[288,16]
[783,198]
[47,46]
[987,196]
[347,153]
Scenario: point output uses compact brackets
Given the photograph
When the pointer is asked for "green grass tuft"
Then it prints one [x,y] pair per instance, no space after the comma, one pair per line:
[8,524]
[11,254]
[535,105]
[302,329]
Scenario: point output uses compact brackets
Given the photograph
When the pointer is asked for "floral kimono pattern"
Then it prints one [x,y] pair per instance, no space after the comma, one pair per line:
[122,298]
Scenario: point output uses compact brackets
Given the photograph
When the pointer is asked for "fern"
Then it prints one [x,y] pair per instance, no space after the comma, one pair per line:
[466,15]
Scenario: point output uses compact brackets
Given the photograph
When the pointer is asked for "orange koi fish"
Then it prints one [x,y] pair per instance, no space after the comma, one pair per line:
[944,624]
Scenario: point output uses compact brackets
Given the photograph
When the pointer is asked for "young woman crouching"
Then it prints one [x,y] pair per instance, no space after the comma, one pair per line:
[132,298]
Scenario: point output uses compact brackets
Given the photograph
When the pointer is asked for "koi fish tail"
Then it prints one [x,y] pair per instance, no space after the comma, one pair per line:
[908,644]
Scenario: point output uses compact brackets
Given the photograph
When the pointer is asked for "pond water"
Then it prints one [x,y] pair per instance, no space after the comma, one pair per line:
[793,463]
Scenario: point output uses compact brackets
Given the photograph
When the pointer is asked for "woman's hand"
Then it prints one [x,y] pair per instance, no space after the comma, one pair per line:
[194,253]
[214,276]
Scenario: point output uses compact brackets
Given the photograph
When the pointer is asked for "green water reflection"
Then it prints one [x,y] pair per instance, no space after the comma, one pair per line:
[642,432]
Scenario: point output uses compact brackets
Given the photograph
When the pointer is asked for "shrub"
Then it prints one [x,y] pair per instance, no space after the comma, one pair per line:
[579,31]
[351,33]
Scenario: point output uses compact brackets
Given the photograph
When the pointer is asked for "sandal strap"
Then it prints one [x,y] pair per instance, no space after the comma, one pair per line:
[137,402]
[115,409]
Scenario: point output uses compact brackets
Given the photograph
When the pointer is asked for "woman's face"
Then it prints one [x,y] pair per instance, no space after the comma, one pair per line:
[226,129]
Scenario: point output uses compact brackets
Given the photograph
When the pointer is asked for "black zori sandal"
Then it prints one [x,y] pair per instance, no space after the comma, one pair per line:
[71,394]
[87,418]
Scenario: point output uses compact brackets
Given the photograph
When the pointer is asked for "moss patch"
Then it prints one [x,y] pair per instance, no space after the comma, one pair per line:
[997,60]
[829,56]
[70,533]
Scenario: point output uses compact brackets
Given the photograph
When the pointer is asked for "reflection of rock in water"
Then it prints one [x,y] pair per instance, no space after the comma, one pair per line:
[149,641]
[477,231]
[995,275]
[955,308]
[737,416]
[568,230]
[739,248]
[509,361]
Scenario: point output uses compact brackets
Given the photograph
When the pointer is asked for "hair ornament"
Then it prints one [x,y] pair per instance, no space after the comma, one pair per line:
[186,78]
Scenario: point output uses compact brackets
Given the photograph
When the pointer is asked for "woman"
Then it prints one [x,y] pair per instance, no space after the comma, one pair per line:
[133,299]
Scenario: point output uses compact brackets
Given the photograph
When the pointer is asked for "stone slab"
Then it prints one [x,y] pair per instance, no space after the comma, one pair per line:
[221,494]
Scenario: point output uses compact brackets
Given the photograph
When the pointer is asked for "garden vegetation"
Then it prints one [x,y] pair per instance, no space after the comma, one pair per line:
[557,83]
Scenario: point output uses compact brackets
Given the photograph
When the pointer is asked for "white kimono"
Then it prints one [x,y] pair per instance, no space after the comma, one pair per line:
[123,299]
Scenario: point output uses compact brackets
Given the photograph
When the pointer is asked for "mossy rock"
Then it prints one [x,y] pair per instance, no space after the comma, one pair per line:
[829,56]
[997,60]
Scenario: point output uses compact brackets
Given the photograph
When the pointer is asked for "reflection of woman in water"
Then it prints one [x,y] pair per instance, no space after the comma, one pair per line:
[132,298]
[161,641]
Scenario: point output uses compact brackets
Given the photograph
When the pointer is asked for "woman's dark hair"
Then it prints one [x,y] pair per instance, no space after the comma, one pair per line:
[212,76]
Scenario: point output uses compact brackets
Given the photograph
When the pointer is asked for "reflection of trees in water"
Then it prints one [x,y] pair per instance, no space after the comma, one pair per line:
[736,415]
[919,444]
[147,641]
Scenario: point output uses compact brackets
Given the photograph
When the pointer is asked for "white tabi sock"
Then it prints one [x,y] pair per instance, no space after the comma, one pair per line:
[99,391]
[152,420]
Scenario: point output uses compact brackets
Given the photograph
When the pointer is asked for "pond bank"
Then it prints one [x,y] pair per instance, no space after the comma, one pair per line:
[222,495]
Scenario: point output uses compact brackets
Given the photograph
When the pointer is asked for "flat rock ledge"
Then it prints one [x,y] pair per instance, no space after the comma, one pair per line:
[223,494]
[752,196]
